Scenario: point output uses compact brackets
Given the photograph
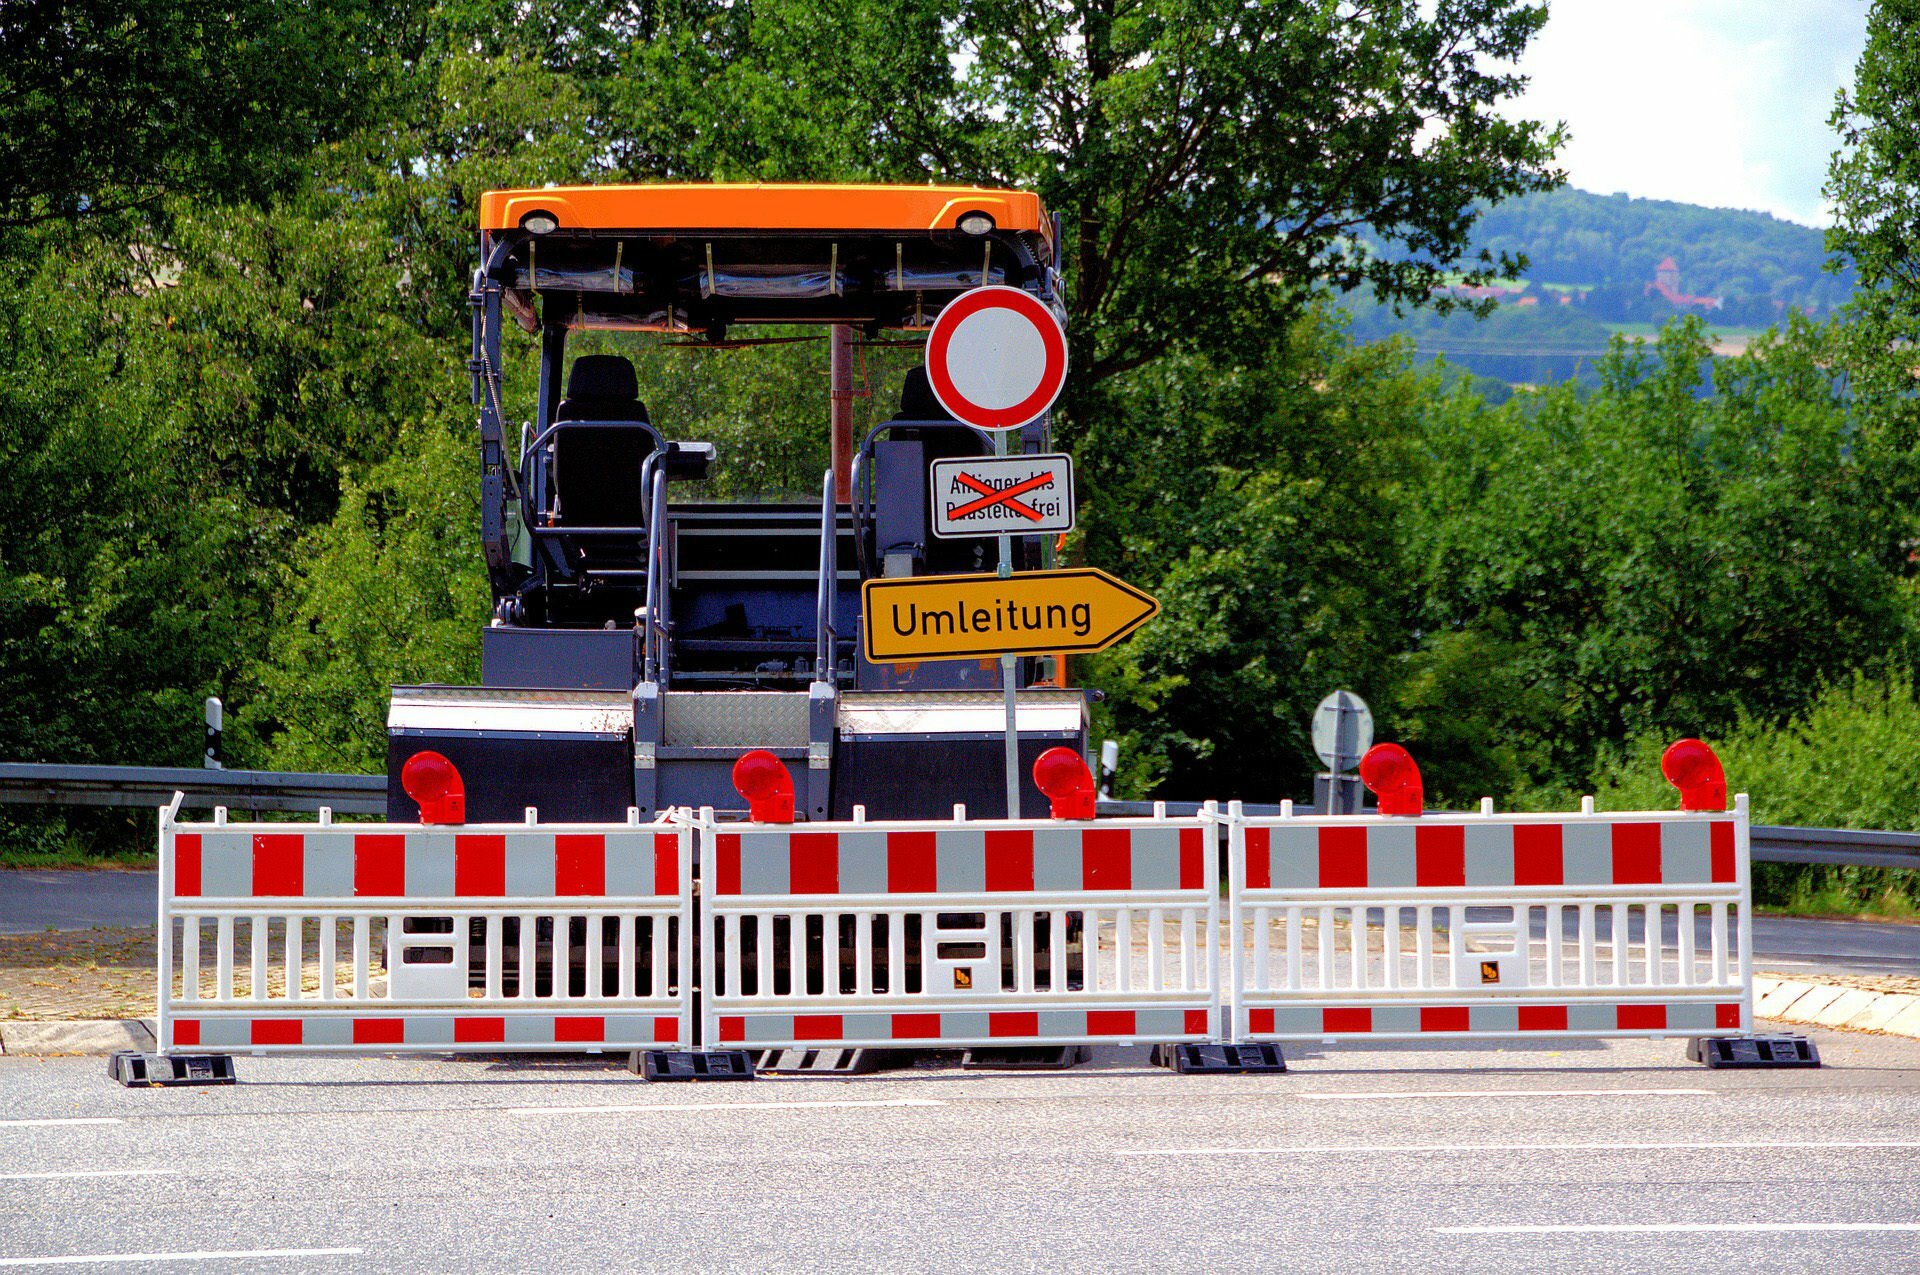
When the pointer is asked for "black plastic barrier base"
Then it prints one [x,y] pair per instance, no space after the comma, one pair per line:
[831,1062]
[1753,1051]
[166,1071]
[1220,1060]
[673,1064]
[1024,1057]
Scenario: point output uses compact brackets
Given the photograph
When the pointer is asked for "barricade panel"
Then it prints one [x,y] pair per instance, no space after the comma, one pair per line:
[1488,925]
[963,933]
[377,937]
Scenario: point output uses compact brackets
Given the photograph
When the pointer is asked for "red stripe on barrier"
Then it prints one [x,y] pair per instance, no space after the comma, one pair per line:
[666,1031]
[479,865]
[910,863]
[1537,856]
[186,865]
[274,1031]
[916,1027]
[1726,1016]
[1353,1019]
[1543,1018]
[279,865]
[813,863]
[1197,1022]
[593,1030]
[1641,1017]
[379,865]
[1636,854]
[1013,1024]
[726,868]
[1343,858]
[479,1031]
[818,1027]
[1445,1018]
[1193,859]
[1725,866]
[1009,859]
[733,1029]
[1107,1022]
[1260,1020]
[1440,855]
[1106,859]
[666,863]
[379,1031]
[186,1031]
[579,864]
[1259,859]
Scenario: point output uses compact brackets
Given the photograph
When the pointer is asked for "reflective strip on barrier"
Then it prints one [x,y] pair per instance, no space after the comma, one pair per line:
[959,933]
[1489,925]
[381,937]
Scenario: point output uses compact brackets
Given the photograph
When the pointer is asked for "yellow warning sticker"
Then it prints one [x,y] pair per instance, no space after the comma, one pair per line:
[1489,971]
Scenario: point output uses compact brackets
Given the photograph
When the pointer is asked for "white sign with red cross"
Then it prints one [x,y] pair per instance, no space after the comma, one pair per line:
[997,357]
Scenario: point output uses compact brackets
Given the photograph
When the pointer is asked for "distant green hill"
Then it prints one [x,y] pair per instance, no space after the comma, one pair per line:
[1591,263]
[1574,237]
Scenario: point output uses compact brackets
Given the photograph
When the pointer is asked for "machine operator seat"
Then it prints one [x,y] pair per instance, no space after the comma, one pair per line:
[596,472]
[921,432]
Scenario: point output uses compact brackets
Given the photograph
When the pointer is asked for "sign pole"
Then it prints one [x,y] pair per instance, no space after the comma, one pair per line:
[1007,678]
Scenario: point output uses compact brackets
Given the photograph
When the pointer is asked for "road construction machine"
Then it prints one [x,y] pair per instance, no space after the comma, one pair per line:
[645,635]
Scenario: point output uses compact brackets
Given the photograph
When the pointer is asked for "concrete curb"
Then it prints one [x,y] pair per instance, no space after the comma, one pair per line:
[30,1038]
[1847,1008]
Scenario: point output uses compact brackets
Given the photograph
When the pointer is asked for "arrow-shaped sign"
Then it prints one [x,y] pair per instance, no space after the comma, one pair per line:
[1032,613]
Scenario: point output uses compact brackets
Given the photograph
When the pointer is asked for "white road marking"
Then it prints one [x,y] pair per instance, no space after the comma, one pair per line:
[1507,1093]
[98,1259]
[67,1120]
[1457,1147]
[83,1173]
[729,1106]
[1651,1228]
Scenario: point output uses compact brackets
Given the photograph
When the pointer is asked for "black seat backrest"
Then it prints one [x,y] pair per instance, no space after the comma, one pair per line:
[596,472]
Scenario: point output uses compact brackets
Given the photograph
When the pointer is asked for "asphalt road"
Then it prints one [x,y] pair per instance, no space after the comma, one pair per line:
[1609,1156]
[31,901]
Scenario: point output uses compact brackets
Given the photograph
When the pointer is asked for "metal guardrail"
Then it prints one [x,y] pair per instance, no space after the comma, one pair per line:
[1858,847]
[154,786]
[257,790]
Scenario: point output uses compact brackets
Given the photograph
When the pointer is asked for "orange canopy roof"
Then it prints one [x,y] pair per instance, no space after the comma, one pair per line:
[766,207]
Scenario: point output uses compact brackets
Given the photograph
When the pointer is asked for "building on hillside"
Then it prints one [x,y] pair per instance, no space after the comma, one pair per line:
[1666,282]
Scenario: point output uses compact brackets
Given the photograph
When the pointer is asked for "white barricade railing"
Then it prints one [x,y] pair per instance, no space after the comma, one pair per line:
[1489,925]
[382,937]
[965,933]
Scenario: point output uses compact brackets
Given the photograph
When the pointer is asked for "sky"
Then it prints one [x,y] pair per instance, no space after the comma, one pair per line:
[1715,102]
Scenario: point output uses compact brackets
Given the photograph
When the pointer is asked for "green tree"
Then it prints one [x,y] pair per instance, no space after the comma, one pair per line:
[1874,177]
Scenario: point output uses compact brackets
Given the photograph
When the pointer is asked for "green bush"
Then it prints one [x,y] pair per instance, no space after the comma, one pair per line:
[1850,760]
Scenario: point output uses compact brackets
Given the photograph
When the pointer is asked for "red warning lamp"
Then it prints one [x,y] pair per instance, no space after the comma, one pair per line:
[1695,770]
[432,781]
[1063,776]
[1389,770]
[763,780]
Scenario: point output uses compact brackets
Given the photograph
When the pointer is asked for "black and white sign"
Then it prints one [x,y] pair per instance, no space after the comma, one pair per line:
[1002,495]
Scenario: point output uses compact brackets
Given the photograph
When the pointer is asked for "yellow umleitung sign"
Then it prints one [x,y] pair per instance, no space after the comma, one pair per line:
[1033,613]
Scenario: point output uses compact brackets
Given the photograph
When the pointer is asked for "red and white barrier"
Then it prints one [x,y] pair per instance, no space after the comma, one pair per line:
[961,933]
[378,937]
[1489,925]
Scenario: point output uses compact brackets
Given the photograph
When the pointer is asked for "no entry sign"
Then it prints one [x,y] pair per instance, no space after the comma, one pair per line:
[996,357]
[1002,495]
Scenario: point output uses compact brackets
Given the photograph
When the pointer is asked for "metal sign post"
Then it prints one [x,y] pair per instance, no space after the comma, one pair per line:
[1007,679]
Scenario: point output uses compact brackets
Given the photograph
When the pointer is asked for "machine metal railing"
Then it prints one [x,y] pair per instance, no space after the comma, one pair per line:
[655,655]
[825,639]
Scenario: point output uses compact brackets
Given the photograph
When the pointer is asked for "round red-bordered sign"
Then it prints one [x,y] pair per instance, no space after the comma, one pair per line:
[997,357]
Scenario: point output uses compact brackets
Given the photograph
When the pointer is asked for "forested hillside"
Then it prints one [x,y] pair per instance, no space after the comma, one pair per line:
[1594,241]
